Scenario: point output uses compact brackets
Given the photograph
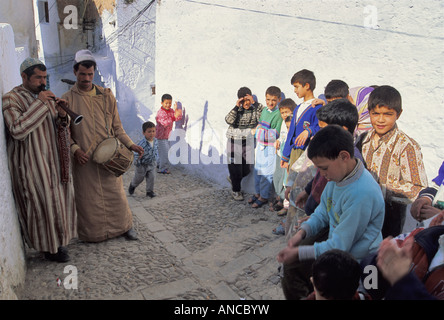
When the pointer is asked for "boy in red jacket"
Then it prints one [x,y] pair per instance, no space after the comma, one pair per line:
[165,118]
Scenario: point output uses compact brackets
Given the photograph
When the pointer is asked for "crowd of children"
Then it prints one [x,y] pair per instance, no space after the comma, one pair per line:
[343,162]
[341,174]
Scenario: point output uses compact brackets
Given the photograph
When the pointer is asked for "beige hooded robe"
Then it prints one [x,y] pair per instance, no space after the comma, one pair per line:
[102,206]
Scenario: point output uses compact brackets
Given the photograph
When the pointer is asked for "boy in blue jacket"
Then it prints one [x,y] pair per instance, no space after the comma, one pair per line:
[352,207]
[146,165]
[305,123]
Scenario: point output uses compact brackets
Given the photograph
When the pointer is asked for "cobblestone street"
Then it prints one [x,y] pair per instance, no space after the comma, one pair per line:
[195,243]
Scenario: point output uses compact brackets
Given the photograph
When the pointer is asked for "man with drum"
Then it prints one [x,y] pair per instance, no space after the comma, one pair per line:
[102,206]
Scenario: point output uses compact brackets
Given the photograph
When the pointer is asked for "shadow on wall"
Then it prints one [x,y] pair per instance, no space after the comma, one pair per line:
[181,151]
[132,111]
[182,123]
[205,160]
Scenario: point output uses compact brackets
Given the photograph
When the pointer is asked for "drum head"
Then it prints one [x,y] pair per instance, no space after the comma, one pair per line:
[105,150]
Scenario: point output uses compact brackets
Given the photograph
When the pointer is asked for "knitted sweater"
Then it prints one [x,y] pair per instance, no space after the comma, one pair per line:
[241,121]
[353,209]
[269,127]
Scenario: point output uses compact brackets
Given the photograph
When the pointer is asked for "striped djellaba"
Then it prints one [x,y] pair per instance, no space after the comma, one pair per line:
[45,204]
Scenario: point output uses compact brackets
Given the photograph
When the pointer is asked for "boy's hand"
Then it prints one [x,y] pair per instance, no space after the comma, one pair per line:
[239,102]
[301,199]
[437,220]
[417,205]
[277,145]
[284,164]
[428,212]
[317,101]
[300,221]
[291,252]
[394,262]
[177,112]
[302,137]
[249,97]
[287,193]
[297,238]
[288,255]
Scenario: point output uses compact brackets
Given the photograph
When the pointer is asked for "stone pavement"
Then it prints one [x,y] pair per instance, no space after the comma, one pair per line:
[195,243]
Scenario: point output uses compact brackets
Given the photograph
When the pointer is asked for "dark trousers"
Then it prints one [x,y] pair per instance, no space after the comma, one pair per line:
[394,219]
[296,282]
[241,157]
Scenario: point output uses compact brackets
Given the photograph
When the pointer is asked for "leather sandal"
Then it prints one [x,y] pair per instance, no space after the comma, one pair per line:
[258,203]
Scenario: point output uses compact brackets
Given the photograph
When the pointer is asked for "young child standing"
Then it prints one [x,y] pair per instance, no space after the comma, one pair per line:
[305,123]
[165,118]
[351,208]
[286,108]
[392,157]
[146,165]
[266,134]
[240,145]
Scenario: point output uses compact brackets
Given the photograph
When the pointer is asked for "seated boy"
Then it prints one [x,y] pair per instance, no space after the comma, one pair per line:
[351,207]
[340,112]
[393,158]
[343,113]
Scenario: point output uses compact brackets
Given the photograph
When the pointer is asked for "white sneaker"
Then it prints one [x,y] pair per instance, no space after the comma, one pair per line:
[237,196]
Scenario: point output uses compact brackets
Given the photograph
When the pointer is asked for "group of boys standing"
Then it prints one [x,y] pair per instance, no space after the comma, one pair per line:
[367,170]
